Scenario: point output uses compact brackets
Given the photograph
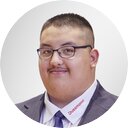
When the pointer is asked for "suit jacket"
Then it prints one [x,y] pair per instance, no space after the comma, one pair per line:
[100,102]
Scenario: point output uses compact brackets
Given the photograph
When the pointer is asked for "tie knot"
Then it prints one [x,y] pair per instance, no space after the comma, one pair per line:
[59,115]
[58,120]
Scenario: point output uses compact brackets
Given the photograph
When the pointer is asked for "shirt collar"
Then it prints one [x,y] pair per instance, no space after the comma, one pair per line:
[50,109]
[74,110]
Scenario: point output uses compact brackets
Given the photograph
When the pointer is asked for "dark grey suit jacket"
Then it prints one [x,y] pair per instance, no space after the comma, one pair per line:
[99,104]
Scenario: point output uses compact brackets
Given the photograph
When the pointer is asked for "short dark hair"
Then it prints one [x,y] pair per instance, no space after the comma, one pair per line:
[68,19]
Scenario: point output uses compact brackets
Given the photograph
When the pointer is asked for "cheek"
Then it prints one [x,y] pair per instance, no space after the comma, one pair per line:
[80,67]
[43,69]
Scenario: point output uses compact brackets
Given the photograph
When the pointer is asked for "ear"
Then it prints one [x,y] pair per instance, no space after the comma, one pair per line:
[94,55]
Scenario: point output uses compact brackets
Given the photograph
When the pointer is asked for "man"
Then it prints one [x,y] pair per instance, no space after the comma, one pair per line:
[67,64]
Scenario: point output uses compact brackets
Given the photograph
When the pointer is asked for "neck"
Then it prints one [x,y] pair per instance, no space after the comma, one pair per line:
[62,101]
[59,103]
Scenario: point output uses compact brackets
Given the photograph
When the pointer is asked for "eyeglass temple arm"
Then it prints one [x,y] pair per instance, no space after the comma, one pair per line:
[83,46]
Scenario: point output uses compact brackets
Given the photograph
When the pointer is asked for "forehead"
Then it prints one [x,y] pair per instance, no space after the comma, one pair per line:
[59,35]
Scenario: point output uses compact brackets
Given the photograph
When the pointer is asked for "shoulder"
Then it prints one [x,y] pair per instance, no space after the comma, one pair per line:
[104,98]
[101,102]
[28,103]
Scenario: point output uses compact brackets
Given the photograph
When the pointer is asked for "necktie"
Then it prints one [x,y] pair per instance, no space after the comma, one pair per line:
[58,119]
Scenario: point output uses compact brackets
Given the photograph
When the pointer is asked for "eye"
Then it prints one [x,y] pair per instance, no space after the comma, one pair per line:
[68,50]
[45,52]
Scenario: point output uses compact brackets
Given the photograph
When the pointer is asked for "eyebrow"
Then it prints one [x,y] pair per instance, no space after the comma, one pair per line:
[45,45]
[69,43]
[64,44]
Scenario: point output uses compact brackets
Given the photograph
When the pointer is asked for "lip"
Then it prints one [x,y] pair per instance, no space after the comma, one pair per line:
[57,70]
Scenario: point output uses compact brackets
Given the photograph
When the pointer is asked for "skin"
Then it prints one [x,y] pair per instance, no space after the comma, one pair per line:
[66,79]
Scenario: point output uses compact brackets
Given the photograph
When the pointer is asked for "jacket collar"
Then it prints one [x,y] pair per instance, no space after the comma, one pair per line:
[95,108]
[34,109]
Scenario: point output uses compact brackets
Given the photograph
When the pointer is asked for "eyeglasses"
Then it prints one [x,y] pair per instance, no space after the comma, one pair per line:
[64,52]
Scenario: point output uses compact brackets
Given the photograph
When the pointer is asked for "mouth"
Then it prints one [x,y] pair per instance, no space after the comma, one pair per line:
[57,71]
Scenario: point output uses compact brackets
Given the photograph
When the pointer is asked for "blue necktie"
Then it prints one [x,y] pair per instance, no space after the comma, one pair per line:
[58,119]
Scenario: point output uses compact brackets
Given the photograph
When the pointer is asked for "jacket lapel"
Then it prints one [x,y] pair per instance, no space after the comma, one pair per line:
[94,109]
[34,109]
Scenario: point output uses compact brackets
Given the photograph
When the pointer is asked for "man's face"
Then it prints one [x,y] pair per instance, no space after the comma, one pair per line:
[66,79]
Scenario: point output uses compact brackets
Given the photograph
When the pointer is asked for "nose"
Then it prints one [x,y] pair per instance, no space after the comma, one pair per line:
[56,59]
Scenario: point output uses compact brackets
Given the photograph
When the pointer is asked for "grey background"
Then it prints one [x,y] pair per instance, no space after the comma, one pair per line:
[19,60]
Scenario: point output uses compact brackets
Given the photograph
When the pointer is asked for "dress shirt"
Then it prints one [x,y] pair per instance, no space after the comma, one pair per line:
[72,111]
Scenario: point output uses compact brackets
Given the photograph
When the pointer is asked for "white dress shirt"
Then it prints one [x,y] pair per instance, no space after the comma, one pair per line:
[72,111]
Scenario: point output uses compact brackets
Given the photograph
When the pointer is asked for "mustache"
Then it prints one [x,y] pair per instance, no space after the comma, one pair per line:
[52,69]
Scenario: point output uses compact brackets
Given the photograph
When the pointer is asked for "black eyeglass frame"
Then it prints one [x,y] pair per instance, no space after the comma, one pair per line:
[75,47]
